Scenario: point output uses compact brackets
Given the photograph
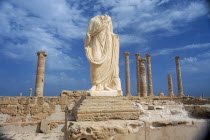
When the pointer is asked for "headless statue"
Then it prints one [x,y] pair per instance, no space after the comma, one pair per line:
[102,51]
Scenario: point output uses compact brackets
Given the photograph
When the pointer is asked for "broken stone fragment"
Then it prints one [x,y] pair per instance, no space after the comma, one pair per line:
[45,126]
[151,107]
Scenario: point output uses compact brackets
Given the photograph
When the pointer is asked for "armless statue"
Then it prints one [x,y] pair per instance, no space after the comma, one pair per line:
[102,51]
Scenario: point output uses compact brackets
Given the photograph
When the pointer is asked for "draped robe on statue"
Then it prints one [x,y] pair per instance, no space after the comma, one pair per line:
[102,51]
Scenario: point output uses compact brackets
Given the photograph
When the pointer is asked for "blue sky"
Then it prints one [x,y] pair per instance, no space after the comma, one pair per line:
[164,28]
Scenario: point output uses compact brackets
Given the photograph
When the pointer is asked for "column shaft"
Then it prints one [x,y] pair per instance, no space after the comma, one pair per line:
[149,75]
[179,77]
[39,87]
[30,92]
[170,86]
[143,83]
[127,74]
[137,74]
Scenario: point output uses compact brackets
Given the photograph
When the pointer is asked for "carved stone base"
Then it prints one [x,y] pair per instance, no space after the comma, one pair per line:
[105,108]
[105,93]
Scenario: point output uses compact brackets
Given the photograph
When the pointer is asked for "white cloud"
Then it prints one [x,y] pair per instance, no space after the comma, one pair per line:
[130,39]
[189,60]
[40,25]
[169,51]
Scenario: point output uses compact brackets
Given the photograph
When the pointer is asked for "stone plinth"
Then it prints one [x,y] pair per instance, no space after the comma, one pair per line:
[104,93]
[105,108]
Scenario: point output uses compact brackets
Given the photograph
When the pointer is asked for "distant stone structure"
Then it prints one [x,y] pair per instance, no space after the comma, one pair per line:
[170,85]
[137,74]
[127,74]
[39,87]
[143,82]
[30,92]
[179,77]
[21,94]
[149,75]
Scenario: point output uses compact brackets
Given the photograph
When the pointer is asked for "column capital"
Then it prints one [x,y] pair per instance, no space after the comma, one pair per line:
[148,55]
[177,57]
[41,52]
[126,53]
[142,59]
[137,54]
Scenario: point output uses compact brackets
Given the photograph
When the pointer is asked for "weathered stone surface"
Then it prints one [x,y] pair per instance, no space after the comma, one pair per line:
[161,94]
[45,126]
[127,74]
[105,108]
[103,58]
[39,87]
[8,109]
[73,93]
[149,75]
[137,74]
[170,86]
[105,130]
[179,76]
[4,100]
[40,100]
[143,82]
[105,93]
[14,100]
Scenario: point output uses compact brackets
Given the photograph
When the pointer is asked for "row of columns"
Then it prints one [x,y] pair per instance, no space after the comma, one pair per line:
[144,87]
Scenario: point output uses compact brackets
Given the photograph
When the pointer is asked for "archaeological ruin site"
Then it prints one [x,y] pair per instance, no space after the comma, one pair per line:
[104,112]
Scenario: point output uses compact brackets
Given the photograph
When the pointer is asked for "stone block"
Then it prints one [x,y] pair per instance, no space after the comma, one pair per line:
[39,116]
[23,109]
[51,100]
[151,107]
[45,126]
[51,109]
[24,101]
[8,109]
[14,100]
[35,109]
[4,100]
[40,100]
[62,100]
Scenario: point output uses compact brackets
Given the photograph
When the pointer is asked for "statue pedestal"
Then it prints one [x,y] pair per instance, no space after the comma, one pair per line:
[105,93]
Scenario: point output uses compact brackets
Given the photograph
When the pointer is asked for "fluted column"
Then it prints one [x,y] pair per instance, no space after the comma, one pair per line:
[179,77]
[39,87]
[30,92]
[149,75]
[143,82]
[170,86]
[127,74]
[137,74]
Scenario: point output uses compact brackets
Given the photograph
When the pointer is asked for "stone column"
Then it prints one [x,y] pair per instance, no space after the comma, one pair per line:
[170,86]
[179,77]
[143,82]
[30,92]
[127,74]
[137,74]
[40,74]
[149,75]
[21,94]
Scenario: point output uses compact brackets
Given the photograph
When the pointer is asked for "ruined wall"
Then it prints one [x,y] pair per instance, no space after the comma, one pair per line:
[31,110]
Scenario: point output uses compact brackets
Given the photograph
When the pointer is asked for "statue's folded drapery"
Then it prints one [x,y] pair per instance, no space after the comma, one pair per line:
[102,51]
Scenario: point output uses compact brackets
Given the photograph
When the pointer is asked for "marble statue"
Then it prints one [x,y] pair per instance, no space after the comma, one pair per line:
[102,51]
